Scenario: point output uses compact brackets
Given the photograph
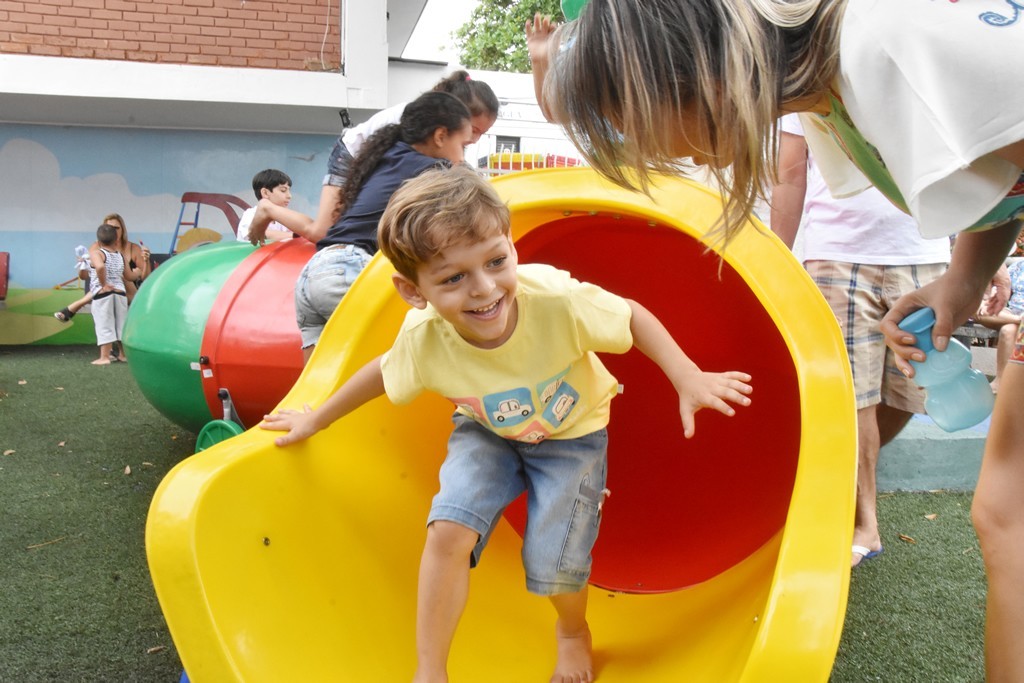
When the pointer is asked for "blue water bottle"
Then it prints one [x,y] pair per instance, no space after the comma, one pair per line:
[956,395]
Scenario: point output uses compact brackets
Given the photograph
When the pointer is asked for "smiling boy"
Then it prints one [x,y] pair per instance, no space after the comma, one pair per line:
[514,349]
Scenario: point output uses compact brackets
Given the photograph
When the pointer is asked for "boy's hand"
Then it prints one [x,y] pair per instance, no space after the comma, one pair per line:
[298,425]
[712,390]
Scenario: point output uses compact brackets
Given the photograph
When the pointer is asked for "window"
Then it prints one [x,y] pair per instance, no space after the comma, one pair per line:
[506,143]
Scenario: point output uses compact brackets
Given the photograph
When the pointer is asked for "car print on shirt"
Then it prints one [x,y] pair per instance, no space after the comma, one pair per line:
[546,389]
[532,437]
[549,391]
[533,433]
[509,408]
[561,404]
[469,406]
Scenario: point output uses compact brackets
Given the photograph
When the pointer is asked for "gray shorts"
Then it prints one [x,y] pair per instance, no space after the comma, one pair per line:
[108,314]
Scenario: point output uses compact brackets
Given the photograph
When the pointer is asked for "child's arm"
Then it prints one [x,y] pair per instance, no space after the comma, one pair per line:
[696,389]
[299,223]
[366,384]
[146,264]
[138,272]
[99,264]
[279,235]
[539,42]
[788,196]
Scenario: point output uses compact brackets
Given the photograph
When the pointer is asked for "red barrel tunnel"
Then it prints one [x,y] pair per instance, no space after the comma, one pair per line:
[681,511]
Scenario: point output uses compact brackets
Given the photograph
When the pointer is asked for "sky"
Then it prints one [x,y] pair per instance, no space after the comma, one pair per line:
[431,40]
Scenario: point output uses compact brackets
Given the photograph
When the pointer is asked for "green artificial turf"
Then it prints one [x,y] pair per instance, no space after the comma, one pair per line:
[917,611]
[77,603]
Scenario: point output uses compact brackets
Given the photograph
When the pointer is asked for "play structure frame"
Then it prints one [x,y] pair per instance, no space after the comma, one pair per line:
[299,564]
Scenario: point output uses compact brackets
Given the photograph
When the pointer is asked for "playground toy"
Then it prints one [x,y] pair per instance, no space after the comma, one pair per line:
[231,206]
[218,319]
[721,558]
[5,265]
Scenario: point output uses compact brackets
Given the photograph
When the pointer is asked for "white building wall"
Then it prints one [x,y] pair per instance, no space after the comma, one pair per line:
[98,92]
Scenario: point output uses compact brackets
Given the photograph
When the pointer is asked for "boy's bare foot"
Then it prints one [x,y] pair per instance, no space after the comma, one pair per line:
[101,361]
[575,662]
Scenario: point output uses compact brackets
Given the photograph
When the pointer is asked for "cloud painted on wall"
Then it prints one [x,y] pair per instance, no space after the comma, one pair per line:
[49,203]
[206,171]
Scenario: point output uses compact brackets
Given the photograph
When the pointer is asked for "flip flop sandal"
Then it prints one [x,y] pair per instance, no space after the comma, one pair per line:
[866,554]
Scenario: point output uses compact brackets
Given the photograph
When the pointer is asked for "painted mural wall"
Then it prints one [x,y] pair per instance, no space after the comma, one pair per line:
[59,182]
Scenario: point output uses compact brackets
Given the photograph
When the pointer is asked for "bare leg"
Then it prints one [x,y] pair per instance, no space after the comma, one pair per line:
[307,352]
[65,314]
[78,304]
[104,358]
[877,425]
[1006,324]
[443,591]
[575,661]
[891,422]
[998,514]
[1004,345]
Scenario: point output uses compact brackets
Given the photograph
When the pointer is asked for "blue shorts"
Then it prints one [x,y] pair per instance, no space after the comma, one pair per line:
[324,280]
[564,480]
[338,165]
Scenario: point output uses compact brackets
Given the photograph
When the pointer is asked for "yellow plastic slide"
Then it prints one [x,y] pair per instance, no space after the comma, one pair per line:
[721,558]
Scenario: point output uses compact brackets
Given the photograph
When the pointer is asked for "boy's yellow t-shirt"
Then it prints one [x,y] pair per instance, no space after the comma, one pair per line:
[544,382]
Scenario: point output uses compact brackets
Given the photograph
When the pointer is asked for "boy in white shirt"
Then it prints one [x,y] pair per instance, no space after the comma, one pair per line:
[275,186]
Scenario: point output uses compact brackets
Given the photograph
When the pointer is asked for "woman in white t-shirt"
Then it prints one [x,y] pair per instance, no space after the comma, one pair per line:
[922,98]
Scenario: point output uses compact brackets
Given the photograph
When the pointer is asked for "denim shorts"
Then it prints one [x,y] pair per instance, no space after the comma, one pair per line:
[322,283]
[338,164]
[564,480]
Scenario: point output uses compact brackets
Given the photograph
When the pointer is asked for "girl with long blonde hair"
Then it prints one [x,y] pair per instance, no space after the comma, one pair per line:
[916,97]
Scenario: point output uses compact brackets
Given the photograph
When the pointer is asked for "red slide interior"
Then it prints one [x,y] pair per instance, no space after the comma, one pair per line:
[682,511]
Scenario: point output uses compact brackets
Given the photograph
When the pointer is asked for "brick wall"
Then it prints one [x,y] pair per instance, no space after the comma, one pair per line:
[288,34]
